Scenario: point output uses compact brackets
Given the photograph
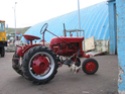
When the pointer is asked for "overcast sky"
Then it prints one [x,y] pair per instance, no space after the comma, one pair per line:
[30,12]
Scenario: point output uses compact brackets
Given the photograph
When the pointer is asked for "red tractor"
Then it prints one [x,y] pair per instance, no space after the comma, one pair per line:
[39,63]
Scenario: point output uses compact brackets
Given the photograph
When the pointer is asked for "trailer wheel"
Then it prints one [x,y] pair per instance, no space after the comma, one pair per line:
[16,64]
[2,52]
[90,66]
[39,65]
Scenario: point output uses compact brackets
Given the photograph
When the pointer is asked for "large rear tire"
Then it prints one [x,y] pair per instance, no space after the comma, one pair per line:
[16,64]
[39,65]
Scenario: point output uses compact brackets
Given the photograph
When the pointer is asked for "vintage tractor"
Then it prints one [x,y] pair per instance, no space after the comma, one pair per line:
[39,63]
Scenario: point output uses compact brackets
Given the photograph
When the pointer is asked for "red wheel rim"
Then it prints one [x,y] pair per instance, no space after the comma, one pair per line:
[40,64]
[90,67]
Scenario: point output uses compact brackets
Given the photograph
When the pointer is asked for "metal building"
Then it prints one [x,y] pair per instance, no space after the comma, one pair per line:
[95,20]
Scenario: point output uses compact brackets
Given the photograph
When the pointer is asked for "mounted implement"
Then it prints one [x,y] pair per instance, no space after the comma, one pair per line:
[39,63]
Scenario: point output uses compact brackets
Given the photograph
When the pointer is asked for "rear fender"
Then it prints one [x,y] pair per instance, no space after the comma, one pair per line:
[21,50]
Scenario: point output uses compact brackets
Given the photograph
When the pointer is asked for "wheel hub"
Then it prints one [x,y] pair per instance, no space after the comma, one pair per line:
[40,65]
[90,67]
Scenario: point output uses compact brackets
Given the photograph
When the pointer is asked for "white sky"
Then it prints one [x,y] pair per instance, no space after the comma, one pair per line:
[30,12]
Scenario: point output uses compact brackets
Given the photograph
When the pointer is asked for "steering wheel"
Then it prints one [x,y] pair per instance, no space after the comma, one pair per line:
[44,28]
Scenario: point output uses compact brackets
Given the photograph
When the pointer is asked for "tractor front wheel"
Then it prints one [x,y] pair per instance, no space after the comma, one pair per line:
[39,65]
[90,66]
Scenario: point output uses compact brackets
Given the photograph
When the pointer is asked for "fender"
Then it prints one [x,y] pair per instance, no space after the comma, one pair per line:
[21,50]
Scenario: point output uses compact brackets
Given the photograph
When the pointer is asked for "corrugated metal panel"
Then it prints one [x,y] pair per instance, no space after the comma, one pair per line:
[111,0]
[94,21]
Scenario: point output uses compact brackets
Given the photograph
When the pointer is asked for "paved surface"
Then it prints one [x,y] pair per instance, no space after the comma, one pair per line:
[65,82]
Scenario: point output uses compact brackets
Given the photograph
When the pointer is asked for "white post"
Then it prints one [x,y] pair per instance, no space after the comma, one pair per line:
[78,2]
[15,20]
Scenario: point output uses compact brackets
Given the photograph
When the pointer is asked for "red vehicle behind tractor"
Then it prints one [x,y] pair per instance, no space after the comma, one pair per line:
[39,63]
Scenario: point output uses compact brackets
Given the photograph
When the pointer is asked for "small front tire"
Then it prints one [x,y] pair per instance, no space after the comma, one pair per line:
[90,66]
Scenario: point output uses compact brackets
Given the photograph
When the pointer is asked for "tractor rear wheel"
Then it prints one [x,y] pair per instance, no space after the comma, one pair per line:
[90,66]
[39,65]
[16,64]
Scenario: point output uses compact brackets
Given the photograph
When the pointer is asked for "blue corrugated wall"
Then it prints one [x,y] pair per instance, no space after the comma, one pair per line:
[120,7]
[94,22]
[112,27]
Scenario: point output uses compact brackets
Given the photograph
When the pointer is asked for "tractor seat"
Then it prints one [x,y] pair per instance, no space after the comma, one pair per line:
[31,37]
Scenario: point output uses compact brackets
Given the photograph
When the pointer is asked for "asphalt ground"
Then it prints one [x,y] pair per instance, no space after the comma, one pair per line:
[65,81]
